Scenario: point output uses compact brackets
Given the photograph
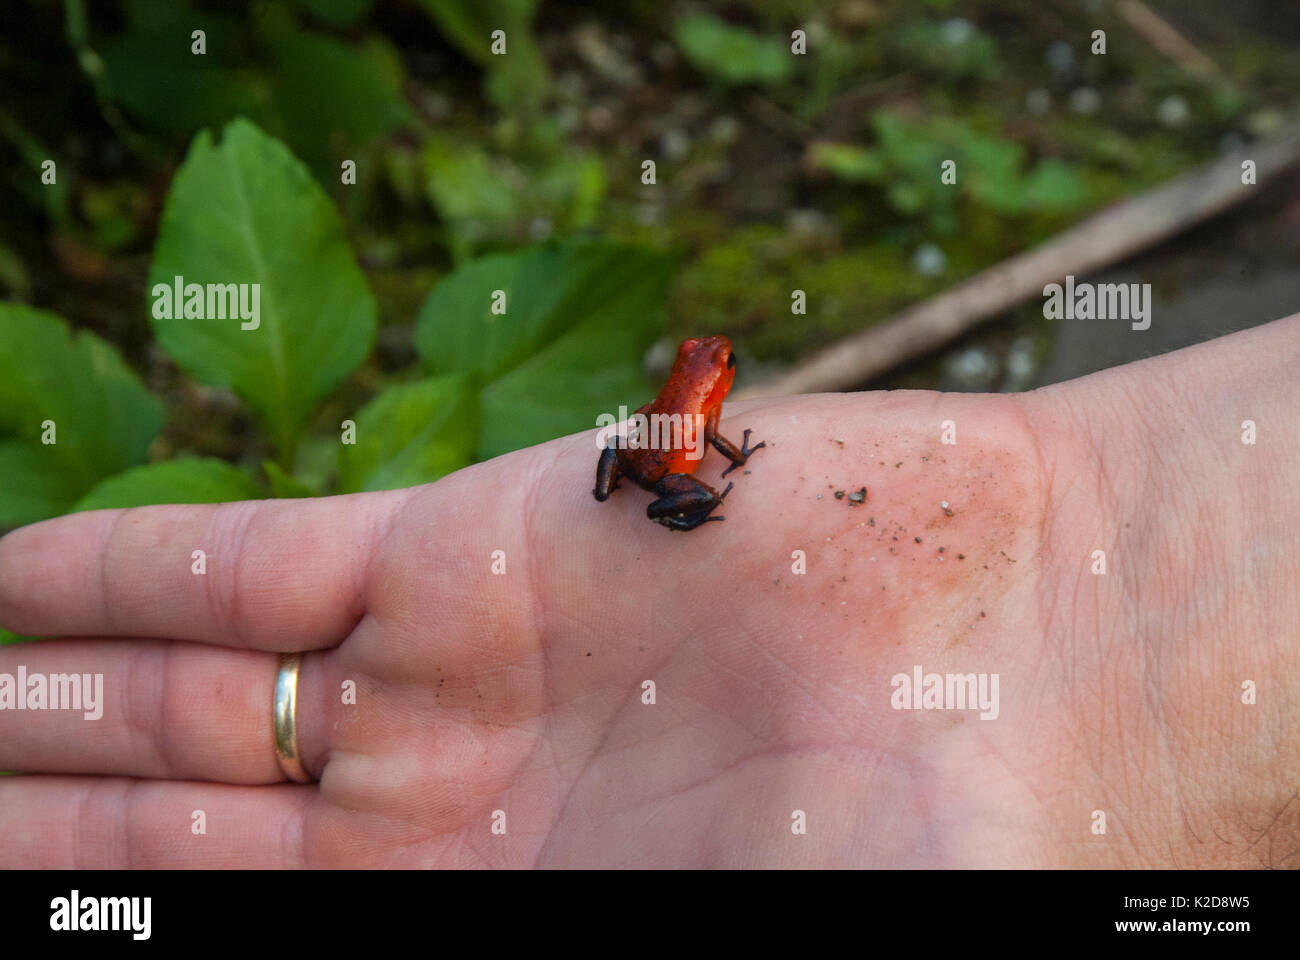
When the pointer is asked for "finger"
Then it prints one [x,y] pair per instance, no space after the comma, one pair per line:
[113,822]
[272,575]
[143,708]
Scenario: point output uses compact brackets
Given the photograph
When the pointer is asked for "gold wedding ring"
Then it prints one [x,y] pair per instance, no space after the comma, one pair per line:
[286,725]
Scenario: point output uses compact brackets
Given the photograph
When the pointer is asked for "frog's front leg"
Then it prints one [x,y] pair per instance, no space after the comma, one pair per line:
[684,502]
[725,446]
[728,450]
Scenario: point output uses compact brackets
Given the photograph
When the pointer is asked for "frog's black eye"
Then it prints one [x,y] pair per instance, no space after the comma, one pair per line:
[731,361]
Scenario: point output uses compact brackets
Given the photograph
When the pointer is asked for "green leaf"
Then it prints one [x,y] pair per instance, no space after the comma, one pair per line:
[993,174]
[51,197]
[950,51]
[472,195]
[579,317]
[154,75]
[486,199]
[316,90]
[248,212]
[593,368]
[103,418]
[284,484]
[34,482]
[516,79]
[469,23]
[548,289]
[7,637]
[730,54]
[849,162]
[330,93]
[411,433]
[14,275]
[590,370]
[317,462]
[1055,186]
[188,480]
[456,330]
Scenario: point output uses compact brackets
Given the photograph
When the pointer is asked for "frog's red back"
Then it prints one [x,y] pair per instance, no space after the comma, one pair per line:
[701,376]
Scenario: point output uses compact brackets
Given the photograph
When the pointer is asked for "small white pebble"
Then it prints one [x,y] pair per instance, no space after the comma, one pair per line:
[957,31]
[929,260]
[1038,101]
[1060,56]
[1173,111]
[1085,101]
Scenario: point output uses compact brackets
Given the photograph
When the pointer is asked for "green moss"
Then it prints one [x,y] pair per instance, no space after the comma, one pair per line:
[743,287]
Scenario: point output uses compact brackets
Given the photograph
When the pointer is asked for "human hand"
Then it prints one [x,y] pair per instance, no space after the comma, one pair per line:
[522,691]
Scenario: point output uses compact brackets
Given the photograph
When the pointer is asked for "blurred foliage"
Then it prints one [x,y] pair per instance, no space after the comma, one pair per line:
[519,169]
[516,77]
[732,55]
[988,169]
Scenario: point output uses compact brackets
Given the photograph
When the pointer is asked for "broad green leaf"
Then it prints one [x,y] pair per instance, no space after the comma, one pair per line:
[154,75]
[103,418]
[332,94]
[34,482]
[284,484]
[188,480]
[244,212]
[591,369]
[579,316]
[307,85]
[547,289]
[730,54]
[410,434]
[456,330]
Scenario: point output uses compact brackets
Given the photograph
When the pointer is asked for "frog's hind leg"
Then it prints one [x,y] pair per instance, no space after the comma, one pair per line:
[684,502]
[607,474]
[608,469]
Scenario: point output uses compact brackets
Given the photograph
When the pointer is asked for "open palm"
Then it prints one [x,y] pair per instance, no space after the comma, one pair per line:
[501,671]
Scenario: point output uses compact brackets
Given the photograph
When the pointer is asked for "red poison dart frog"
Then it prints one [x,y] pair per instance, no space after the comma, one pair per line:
[700,379]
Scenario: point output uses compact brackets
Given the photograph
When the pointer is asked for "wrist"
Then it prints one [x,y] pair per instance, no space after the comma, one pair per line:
[1198,604]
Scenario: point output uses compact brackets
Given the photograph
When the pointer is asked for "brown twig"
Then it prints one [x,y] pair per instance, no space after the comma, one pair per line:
[1160,34]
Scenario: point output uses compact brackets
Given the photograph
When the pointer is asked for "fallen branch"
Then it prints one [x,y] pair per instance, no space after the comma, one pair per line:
[1161,35]
[1112,235]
